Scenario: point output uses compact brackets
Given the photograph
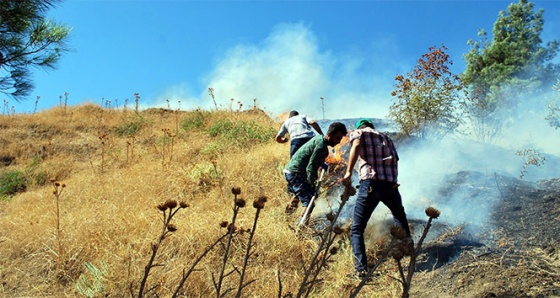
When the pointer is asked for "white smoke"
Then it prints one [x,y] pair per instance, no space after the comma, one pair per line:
[288,70]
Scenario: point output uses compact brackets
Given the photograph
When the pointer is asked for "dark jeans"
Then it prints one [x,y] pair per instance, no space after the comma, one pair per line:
[298,185]
[372,192]
[296,143]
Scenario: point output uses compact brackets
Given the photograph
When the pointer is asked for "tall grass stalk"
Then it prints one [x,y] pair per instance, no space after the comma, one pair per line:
[57,191]
[258,205]
[186,274]
[237,204]
[168,209]
[327,239]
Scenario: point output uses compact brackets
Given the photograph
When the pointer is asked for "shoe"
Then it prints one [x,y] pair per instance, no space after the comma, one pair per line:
[292,206]
[361,275]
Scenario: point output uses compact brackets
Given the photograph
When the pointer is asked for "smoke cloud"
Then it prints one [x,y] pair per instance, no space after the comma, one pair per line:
[288,70]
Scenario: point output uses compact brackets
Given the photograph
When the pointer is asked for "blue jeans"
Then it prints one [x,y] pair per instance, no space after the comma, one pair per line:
[296,143]
[297,184]
[372,192]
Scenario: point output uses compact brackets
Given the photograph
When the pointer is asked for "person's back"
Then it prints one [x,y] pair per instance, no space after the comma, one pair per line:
[300,128]
[379,158]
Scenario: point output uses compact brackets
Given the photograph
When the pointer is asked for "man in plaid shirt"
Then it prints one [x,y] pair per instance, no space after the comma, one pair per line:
[378,169]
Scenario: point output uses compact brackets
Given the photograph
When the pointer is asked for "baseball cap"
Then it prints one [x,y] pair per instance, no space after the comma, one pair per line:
[362,122]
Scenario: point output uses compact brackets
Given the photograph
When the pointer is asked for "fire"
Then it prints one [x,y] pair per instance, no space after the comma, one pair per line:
[337,158]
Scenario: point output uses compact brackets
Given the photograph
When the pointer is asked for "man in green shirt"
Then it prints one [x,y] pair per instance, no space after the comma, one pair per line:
[301,171]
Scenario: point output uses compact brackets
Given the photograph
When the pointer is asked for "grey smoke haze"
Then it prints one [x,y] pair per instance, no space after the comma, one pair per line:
[436,172]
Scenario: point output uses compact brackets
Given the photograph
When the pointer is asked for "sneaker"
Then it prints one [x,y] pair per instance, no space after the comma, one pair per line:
[292,206]
[359,275]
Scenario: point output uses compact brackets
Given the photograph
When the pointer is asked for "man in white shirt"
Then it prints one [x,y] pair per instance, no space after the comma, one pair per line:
[299,127]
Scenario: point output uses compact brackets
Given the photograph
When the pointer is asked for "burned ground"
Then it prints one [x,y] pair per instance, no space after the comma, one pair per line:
[516,255]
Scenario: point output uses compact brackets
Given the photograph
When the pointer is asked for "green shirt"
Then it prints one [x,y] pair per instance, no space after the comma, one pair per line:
[309,157]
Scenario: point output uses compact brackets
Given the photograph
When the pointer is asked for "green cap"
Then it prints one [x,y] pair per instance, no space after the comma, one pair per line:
[362,122]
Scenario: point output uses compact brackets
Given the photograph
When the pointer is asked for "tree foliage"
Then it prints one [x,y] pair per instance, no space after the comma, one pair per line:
[553,116]
[27,39]
[514,62]
[426,101]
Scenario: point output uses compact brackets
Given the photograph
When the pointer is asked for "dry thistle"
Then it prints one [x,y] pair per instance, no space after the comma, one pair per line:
[162,207]
[231,228]
[338,230]
[223,224]
[240,203]
[53,180]
[259,203]
[236,190]
[171,228]
[398,232]
[432,212]
[333,250]
[183,204]
[330,216]
[171,204]
[397,253]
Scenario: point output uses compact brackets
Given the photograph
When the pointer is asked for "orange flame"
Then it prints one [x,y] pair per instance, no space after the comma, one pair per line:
[337,158]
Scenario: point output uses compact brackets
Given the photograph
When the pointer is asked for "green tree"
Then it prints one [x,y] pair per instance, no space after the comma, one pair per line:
[27,39]
[426,101]
[553,116]
[514,62]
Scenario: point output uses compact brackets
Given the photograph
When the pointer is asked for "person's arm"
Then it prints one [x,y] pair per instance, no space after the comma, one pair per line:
[280,136]
[352,158]
[318,156]
[316,127]
[281,139]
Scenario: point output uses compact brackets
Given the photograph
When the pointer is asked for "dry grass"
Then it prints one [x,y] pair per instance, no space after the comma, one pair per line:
[108,211]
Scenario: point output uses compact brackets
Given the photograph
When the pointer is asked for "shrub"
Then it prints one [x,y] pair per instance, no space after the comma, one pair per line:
[242,134]
[131,127]
[193,121]
[12,183]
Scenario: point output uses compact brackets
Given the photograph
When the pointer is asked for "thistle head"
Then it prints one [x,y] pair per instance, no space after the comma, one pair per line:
[398,232]
[259,203]
[432,212]
[171,204]
[330,216]
[171,227]
[240,203]
[338,230]
[162,207]
[236,190]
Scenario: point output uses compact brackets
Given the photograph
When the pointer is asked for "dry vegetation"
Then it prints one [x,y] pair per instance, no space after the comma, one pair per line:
[86,216]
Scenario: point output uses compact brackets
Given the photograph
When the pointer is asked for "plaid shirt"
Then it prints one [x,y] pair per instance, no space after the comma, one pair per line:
[377,155]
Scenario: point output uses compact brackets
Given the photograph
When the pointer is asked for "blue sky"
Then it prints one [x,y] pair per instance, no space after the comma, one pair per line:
[286,54]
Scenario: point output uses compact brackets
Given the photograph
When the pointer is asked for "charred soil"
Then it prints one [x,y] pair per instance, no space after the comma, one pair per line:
[516,255]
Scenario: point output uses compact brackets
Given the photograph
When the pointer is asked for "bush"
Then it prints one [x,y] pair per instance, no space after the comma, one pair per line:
[12,183]
[131,127]
[243,134]
[193,121]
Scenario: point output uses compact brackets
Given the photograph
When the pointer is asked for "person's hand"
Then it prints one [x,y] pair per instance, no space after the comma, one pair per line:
[347,177]
[324,166]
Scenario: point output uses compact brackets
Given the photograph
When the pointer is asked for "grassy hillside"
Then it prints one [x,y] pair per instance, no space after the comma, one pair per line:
[79,213]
